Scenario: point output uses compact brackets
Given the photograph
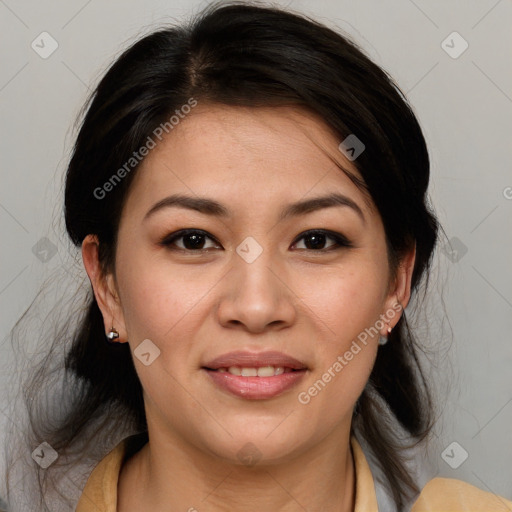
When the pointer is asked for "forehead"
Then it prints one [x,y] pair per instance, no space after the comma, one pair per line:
[246,153]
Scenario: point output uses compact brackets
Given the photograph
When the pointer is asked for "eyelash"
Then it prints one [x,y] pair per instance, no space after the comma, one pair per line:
[340,240]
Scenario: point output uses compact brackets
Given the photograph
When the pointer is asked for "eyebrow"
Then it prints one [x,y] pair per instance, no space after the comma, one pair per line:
[211,207]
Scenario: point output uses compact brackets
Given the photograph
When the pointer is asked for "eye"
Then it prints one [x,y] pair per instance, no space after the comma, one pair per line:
[317,238]
[193,240]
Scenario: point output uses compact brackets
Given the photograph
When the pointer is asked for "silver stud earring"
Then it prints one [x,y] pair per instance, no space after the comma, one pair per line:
[112,334]
[384,339]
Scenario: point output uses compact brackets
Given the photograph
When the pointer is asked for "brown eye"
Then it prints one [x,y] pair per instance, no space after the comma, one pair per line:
[195,240]
[316,240]
[192,240]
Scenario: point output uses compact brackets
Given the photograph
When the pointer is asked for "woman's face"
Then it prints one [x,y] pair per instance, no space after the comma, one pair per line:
[251,280]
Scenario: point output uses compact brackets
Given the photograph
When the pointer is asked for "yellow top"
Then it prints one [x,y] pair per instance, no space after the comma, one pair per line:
[439,495]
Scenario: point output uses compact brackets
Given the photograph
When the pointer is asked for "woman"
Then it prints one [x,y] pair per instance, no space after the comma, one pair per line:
[249,193]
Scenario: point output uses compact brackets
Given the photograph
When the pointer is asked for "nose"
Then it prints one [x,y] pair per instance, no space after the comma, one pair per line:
[256,296]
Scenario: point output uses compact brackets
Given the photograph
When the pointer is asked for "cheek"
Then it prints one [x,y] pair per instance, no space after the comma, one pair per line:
[160,303]
[346,304]
[345,300]
[156,296]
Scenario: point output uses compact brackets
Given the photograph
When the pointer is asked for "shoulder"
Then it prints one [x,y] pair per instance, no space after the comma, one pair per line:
[450,495]
[100,491]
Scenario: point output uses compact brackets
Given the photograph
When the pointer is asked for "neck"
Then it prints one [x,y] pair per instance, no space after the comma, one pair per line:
[168,474]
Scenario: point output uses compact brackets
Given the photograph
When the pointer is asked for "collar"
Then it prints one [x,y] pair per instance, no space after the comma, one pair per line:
[100,491]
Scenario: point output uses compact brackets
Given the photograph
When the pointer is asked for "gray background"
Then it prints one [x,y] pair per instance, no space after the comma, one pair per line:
[464,105]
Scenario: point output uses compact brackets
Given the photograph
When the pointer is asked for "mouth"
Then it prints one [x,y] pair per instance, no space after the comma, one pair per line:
[255,376]
[261,371]
[249,361]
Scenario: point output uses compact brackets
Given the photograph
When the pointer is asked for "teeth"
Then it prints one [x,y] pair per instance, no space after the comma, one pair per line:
[263,371]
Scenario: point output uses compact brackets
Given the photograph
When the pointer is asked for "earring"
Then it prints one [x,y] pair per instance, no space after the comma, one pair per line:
[384,339]
[112,335]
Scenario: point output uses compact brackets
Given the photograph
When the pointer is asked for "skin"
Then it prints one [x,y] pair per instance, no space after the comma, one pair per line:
[310,303]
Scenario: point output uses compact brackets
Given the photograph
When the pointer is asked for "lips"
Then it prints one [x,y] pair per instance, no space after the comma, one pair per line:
[255,376]
[242,359]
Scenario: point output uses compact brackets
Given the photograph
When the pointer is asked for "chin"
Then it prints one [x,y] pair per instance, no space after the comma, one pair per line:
[257,446]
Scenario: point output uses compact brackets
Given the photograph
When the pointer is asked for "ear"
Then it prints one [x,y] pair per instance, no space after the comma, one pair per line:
[400,290]
[104,288]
